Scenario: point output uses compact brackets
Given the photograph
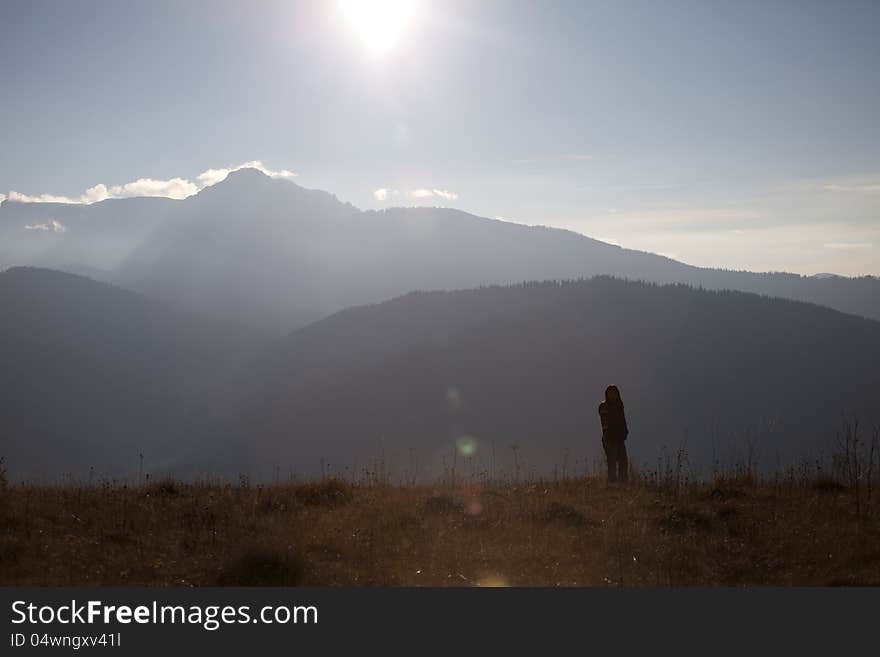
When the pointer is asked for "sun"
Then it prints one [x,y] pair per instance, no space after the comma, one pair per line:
[379,23]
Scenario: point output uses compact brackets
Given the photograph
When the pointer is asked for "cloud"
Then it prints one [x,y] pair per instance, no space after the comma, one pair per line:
[383,194]
[97,193]
[213,176]
[51,225]
[176,188]
[442,193]
[869,188]
[42,198]
[2,197]
[848,246]
[431,193]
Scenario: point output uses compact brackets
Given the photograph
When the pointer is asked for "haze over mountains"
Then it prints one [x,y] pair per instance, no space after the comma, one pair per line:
[426,374]
[282,256]
[93,237]
[233,337]
[93,376]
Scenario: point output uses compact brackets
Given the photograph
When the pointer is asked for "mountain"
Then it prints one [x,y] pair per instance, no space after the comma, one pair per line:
[270,249]
[417,377]
[250,247]
[92,375]
[279,256]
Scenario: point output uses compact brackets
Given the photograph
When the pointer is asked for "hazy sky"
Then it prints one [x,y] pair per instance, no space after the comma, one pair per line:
[736,134]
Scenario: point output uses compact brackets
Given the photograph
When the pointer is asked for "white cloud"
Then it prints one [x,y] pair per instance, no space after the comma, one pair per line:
[858,184]
[2,197]
[97,193]
[51,225]
[868,188]
[213,176]
[384,194]
[42,198]
[176,188]
[431,193]
[442,193]
[848,246]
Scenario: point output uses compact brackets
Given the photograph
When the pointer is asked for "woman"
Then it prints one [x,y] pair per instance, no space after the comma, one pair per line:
[614,432]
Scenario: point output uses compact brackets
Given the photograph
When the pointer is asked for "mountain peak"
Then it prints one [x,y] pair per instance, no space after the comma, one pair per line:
[252,186]
[248,177]
[246,173]
[245,183]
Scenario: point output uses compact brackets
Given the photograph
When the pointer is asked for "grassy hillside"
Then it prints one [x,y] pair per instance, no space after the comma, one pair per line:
[791,530]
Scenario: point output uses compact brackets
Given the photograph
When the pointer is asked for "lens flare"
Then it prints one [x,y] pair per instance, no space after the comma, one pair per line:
[467,445]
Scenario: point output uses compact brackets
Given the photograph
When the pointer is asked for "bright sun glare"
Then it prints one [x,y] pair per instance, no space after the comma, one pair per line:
[379,23]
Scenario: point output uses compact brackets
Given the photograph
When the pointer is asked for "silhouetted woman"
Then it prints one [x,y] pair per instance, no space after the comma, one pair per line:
[614,432]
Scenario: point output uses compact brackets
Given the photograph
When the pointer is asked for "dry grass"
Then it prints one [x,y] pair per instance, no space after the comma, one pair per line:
[565,533]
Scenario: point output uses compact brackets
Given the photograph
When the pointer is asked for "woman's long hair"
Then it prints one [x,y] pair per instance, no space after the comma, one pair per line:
[612,396]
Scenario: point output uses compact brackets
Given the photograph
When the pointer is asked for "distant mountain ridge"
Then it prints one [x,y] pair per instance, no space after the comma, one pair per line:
[92,376]
[526,366]
[282,256]
[96,236]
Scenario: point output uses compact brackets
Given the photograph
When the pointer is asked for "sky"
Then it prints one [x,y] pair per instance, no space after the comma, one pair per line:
[743,135]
